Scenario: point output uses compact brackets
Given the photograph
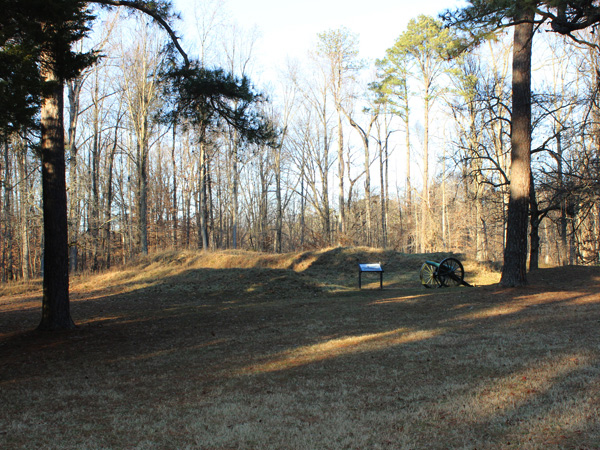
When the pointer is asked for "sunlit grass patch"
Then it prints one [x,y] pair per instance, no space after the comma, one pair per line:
[338,347]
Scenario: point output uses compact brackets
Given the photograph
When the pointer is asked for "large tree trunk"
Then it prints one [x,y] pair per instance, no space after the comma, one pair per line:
[514,272]
[55,299]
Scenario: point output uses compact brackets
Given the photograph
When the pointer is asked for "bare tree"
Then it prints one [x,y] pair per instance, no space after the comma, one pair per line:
[24,208]
[314,138]
[384,132]
[140,66]
[7,216]
[365,136]
[238,49]
[339,49]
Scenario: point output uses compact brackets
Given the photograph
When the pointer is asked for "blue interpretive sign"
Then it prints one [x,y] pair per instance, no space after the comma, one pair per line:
[370,268]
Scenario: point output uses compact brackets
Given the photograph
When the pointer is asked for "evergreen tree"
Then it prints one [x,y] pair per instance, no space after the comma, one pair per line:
[206,97]
[44,31]
[480,20]
[19,86]
[420,52]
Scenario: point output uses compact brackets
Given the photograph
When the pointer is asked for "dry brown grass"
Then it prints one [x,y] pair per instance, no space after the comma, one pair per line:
[236,350]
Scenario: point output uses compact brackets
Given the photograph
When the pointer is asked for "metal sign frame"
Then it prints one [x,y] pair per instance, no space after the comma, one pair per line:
[371,267]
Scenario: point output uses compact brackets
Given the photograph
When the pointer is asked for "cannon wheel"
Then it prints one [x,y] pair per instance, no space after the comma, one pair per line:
[428,276]
[451,272]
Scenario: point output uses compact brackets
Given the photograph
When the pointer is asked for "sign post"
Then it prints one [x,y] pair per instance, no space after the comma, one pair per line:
[370,268]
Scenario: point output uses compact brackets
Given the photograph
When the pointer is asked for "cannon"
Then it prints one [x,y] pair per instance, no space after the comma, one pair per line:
[448,272]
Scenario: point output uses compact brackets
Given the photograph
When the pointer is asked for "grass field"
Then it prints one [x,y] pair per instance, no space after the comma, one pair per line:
[234,350]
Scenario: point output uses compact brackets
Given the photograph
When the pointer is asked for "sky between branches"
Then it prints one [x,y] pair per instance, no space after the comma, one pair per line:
[288,29]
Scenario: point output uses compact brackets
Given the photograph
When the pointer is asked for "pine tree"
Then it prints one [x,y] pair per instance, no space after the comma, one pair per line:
[420,52]
[479,21]
[44,32]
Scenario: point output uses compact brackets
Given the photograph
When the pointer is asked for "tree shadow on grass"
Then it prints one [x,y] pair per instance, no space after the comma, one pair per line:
[492,367]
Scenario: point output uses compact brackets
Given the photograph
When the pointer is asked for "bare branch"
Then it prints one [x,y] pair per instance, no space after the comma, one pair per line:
[152,12]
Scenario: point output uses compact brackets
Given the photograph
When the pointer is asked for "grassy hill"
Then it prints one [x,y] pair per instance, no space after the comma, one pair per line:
[238,350]
[291,274]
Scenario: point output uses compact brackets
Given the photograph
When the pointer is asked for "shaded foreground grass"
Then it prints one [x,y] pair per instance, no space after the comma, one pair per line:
[227,352]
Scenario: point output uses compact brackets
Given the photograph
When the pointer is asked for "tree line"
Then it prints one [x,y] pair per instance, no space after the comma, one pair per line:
[415,151]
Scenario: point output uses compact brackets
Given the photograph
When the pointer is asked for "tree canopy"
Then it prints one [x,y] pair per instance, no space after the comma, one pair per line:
[28,29]
[479,20]
[484,17]
[19,88]
[208,96]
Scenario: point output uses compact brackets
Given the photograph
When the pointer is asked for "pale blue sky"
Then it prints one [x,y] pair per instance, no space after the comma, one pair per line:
[289,28]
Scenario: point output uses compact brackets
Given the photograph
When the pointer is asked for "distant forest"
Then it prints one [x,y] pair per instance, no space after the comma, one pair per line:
[409,152]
